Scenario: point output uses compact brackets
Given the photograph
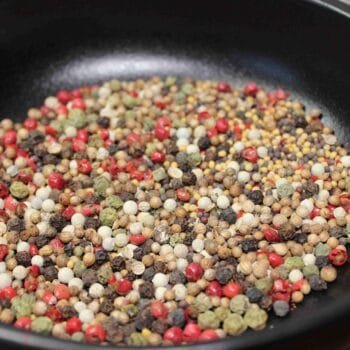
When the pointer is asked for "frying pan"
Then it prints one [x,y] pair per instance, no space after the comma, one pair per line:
[302,46]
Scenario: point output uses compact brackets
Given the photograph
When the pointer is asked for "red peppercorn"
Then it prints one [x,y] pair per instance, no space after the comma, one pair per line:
[208,335]
[160,104]
[281,94]
[4,191]
[73,325]
[280,285]
[284,296]
[49,298]
[78,145]
[158,157]
[183,195]
[30,124]
[24,176]
[161,133]
[111,280]
[330,212]
[159,310]
[222,125]
[212,132]
[76,93]
[250,154]
[10,203]
[7,293]
[34,270]
[191,333]
[137,239]
[62,110]
[45,110]
[298,284]
[68,212]
[231,289]
[50,130]
[163,121]
[33,250]
[95,333]
[56,181]
[9,138]
[214,289]
[275,260]
[56,243]
[4,249]
[193,272]
[54,314]
[203,115]
[91,209]
[338,257]
[24,322]
[251,89]
[271,235]
[103,133]
[78,103]
[30,284]
[123,286]
[315,212]
[61,291]
[84,166]
[133,138]
[223,86]
[63,96]
[82,135]
[173,335]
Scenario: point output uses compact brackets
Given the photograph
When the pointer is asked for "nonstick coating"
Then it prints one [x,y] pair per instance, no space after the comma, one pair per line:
[301,46]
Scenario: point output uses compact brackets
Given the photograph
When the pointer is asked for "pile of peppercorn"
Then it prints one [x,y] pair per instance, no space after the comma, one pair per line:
[167,211]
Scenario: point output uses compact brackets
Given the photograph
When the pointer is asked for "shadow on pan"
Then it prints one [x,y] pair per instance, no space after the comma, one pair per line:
[302,46]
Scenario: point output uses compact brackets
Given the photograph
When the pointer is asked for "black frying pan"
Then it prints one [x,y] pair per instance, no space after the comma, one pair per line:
[302,46]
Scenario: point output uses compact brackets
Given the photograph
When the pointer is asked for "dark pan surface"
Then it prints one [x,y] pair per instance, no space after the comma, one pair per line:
[300,46]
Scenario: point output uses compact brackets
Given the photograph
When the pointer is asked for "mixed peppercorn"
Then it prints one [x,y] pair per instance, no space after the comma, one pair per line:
[167,211]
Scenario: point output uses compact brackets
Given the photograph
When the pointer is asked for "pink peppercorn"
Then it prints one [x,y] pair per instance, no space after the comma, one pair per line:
[9,138]
[10,203]
[123,286]
[251,89]
[231,289]
[95,333]
[84,166]
[78,103]
[161,133]
[275,259]
[173,335]
[159,310]
[158,157]
[223,86]
[30,284]
[250,154]
[183,195]
[191,333]
[56,181]
[214,289]
[78,145]
[49,298]
[208,335]
[62,110]
[203,115]
[63,96]
[61,291]
[34,270]
[68,212]
[23,322]
[137,239]
[4,249]
[4,191]
[222,125]
[54,314]
[73,325]
[7,293]
[33,250]
[193,272]
[271,235]
[163,122]
[82,135]
[30,124]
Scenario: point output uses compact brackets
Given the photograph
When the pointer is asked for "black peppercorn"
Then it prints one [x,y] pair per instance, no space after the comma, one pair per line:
[249,245]
[256,197]
[223,275]
[254,294]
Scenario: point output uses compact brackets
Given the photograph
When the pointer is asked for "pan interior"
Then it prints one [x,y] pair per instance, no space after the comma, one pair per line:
[300,47]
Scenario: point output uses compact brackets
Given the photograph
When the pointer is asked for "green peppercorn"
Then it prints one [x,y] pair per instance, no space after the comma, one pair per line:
[95,141]
[129,101]
[104,273]
[322,249]
[131,310]
[175,239]
[23,306]
[137,339]
[42,325]
[108,216]
[187,89]
[294,262]
[114,202]
[19,190]
[194,159]
[255,317]
[283,271]
[285,190]
[115,85]
[208,320]
[78,268]
[91,118]
[234,324]
[222,313]
[159,174]
[310,270]
[76,118]
[264,284]
[239,304]
[202,302]
[101,183]
[169,81]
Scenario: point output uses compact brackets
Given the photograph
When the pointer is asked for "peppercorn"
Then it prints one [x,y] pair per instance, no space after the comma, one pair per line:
[256,197]
[146,290]
[189,179]
[223,275]
[144,320]
[228,215]
[89,277]
[108,216]
[286,231]
[249,245]
[234,324]
[280,308]
[50,273]
[15,224]
[176,318]
[118,263]
[285,190]
[93,223]
[254,295]
[204,143]
[159,327]
[208,320]
[58,222]
[42,325]
[255,317]
[101,256]
[309,190]
[177,277]
[23,258]
[19,190]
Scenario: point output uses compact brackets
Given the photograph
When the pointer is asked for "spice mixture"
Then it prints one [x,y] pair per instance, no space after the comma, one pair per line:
[167,211]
